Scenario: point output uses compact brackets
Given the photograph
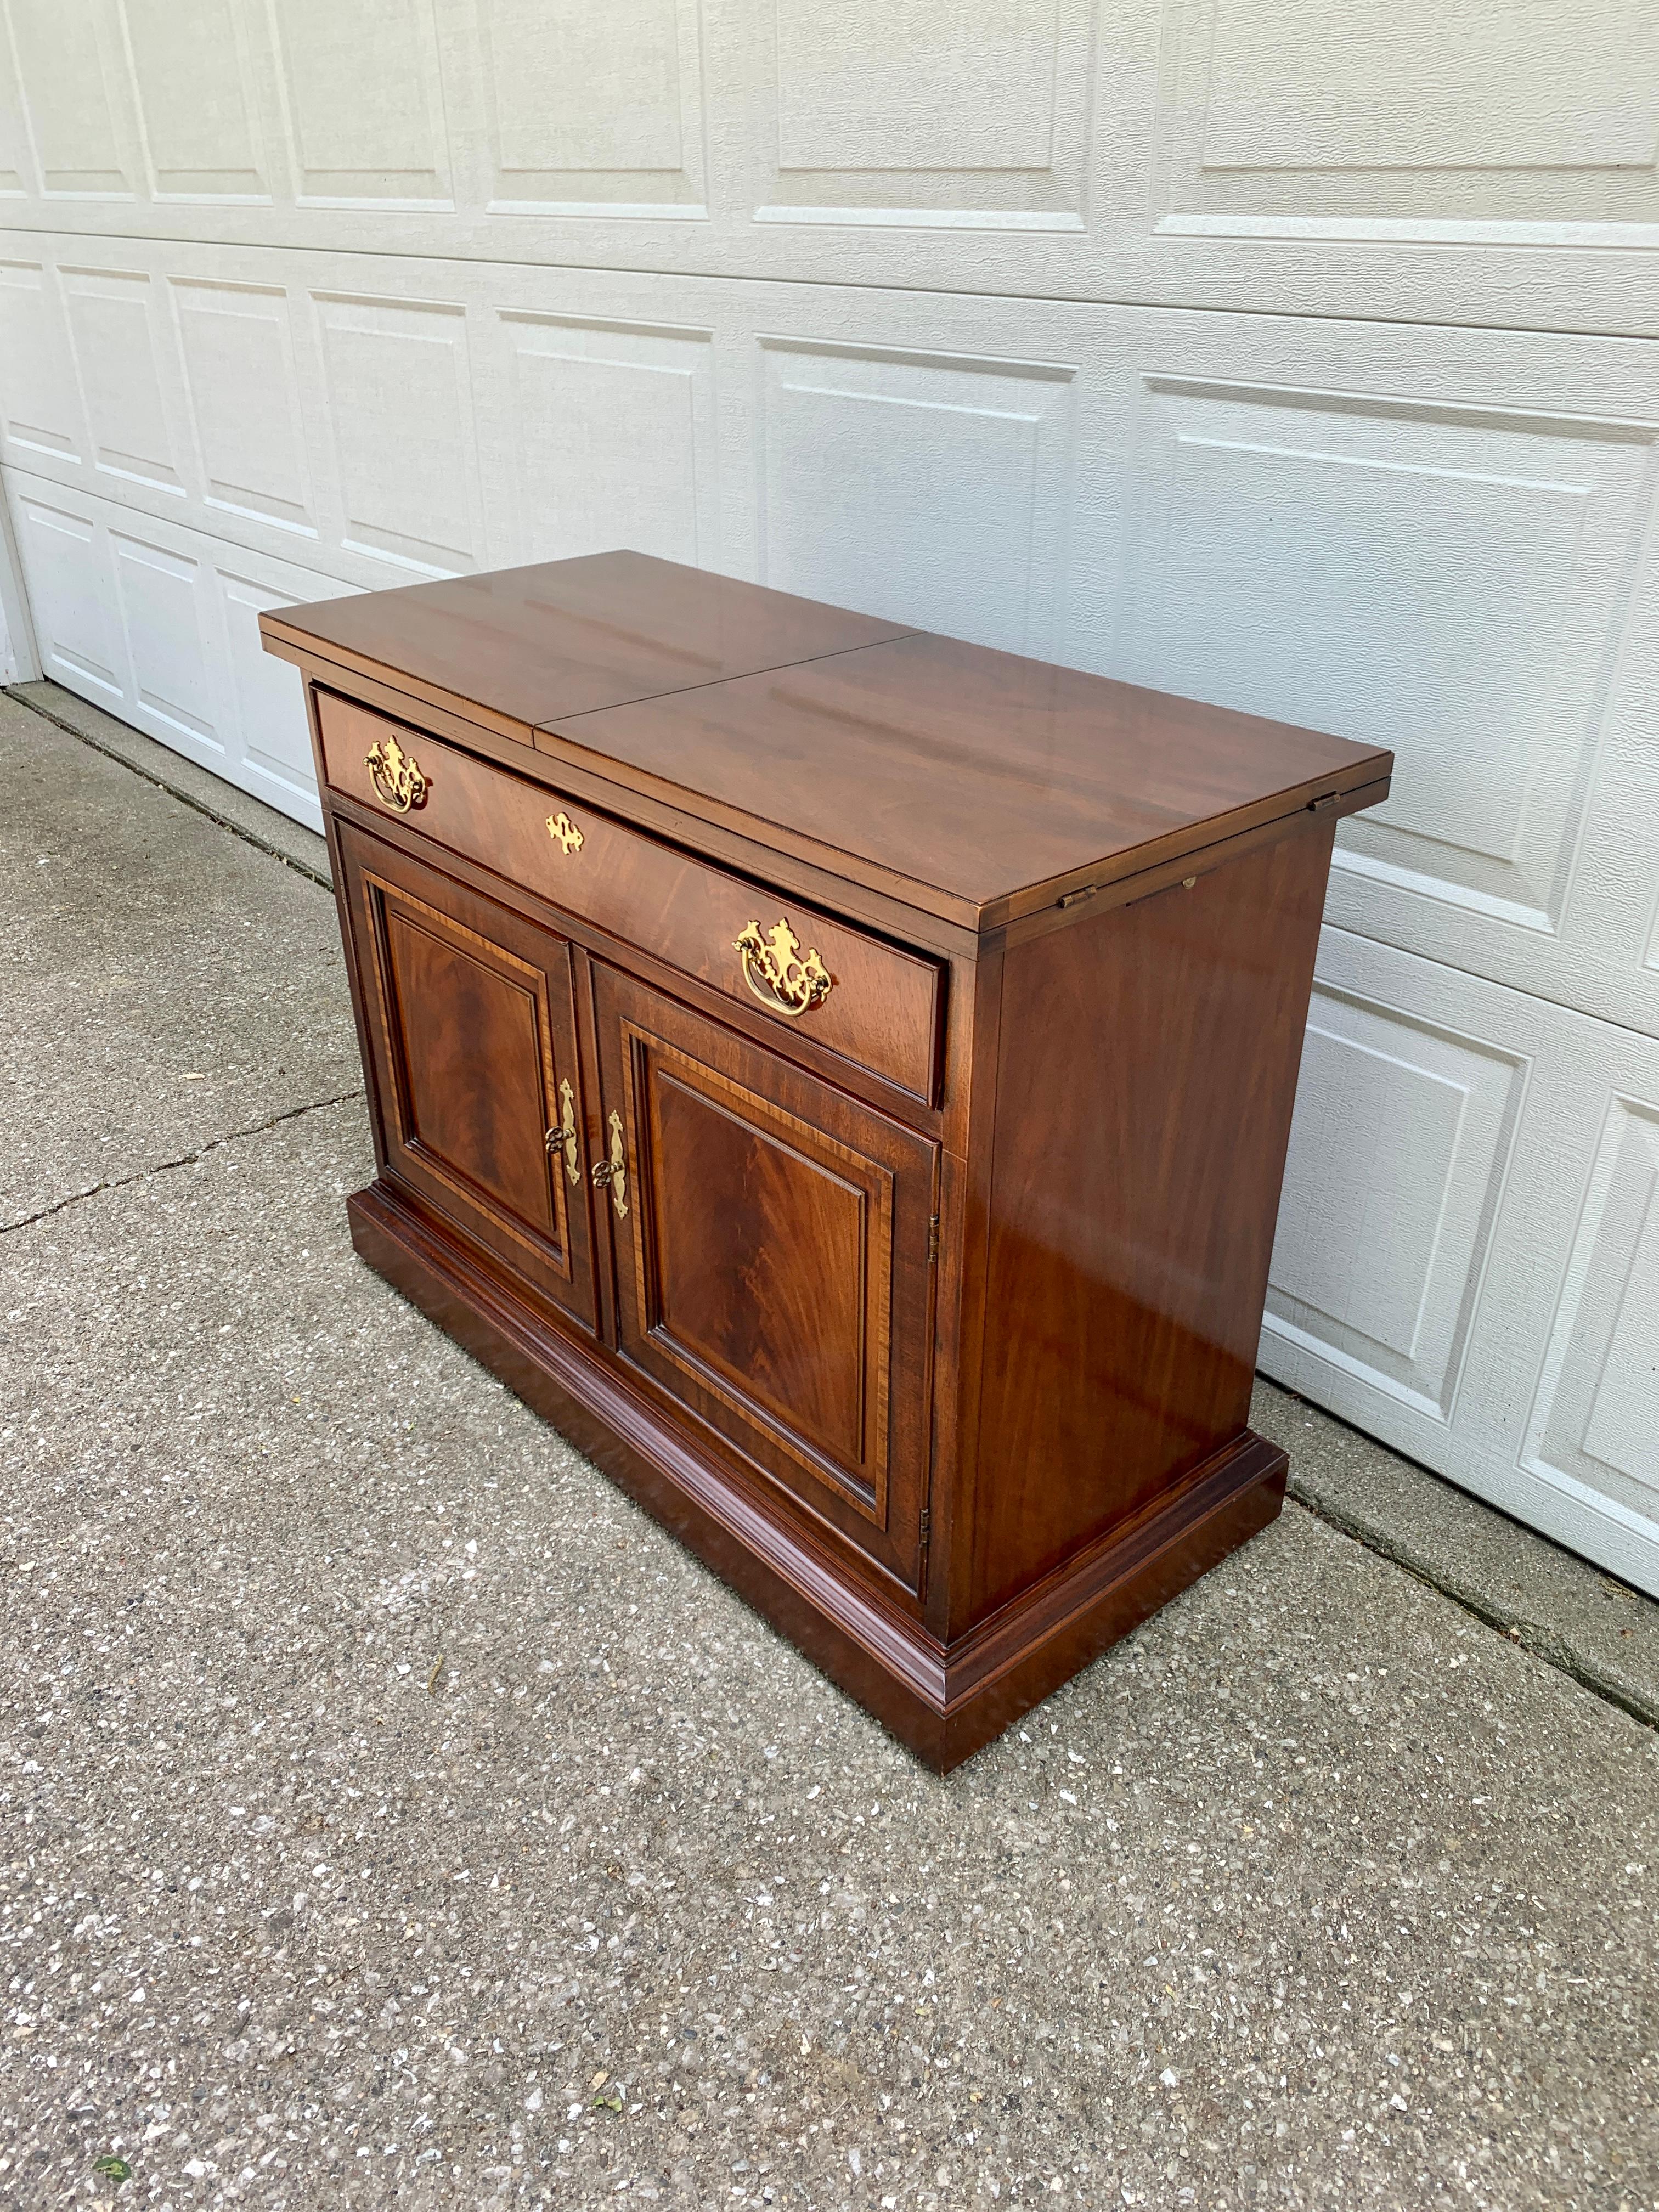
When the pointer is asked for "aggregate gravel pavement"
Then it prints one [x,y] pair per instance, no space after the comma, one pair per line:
[390,1814]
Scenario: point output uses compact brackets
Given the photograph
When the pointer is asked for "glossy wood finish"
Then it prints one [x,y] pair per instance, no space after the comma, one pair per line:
[514,647]
[884,1008]
[773,1273]
[975,785]
[457,989]
[1146,1080]
[928,1319]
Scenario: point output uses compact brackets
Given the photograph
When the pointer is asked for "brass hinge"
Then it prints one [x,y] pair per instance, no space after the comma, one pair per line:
[926,1528]
[1326,798]
[933,1238]
[1077,897]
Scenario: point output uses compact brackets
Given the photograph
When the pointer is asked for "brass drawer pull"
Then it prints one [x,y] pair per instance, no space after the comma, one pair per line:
[395,774]
[614,1171]
[565,1135]
[781,975]
[564,833]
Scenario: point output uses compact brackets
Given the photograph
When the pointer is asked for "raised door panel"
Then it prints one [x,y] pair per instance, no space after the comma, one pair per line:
[935,482]
[399,383]
[122,360]
[997,141]
[40,412]
[592,112]
[70,91]
[363,104]
[773,1269]
[190,70]
[1468,1247]
[472,1033]
[1401,122]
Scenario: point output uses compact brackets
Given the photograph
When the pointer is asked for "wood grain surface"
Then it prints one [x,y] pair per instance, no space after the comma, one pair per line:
[927,1314]
[512,646]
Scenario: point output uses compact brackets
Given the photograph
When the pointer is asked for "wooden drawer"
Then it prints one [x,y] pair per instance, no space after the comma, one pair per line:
[866,1001]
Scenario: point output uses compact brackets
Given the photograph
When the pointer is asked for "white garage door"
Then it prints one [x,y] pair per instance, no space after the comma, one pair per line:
[1301,359]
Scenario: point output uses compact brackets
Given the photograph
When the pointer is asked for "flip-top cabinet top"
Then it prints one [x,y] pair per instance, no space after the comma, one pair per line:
[973,785]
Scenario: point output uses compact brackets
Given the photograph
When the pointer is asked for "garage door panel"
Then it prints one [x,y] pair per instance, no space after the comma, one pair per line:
[1382,538]
[196,101]
[125,362]
[604,433]
[1000,142]
[38,398]
[1404,1134]
[1452,583]
[400,410]
[159,591]
[1595,1419]
[66,572]
[1544,1244]
[1405,112]
[157,622]
[362,104]
[936,483]
[1405,162]
[240,385]
[586,112]
[69,67]
[1599,955]
[268,694]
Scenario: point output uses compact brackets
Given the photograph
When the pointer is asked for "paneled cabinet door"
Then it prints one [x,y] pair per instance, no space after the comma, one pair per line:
[773,1263]
[472,1033]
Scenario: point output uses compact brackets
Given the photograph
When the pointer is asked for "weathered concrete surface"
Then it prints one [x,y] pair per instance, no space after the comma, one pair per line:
[162,984]
[1600,1629]
[389,1814]
[262,825]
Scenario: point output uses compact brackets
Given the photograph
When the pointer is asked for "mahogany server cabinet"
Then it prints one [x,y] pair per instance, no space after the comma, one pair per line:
[841,1077]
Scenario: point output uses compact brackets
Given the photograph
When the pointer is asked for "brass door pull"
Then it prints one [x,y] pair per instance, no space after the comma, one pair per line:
[565,1134]
[395,774]
[781,975]
[613,1172]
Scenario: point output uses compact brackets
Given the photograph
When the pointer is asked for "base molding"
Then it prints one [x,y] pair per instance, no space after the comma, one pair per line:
[944,1702]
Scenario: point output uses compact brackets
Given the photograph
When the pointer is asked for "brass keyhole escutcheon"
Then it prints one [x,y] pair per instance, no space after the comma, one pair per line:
[781,975]
[564,833]
[395,774]
[564,1137]
[613,1173]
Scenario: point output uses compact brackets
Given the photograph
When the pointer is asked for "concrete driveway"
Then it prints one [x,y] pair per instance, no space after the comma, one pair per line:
[391,1815]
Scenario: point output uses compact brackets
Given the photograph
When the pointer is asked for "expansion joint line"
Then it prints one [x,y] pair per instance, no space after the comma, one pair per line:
[1526,1634]
[173,791]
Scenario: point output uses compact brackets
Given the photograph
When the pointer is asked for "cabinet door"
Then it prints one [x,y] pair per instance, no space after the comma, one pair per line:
[471,1032]
[774,1270]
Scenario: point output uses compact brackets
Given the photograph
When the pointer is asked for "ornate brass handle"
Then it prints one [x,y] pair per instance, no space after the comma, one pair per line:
[781,975]
[614,1171]
[564,833]
[395,774]
[565,1134]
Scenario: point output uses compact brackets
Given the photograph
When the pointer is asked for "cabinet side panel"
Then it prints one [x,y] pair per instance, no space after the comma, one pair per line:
[1147,1075]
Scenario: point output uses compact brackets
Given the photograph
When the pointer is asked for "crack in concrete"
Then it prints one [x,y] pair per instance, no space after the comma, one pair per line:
[184,1160]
